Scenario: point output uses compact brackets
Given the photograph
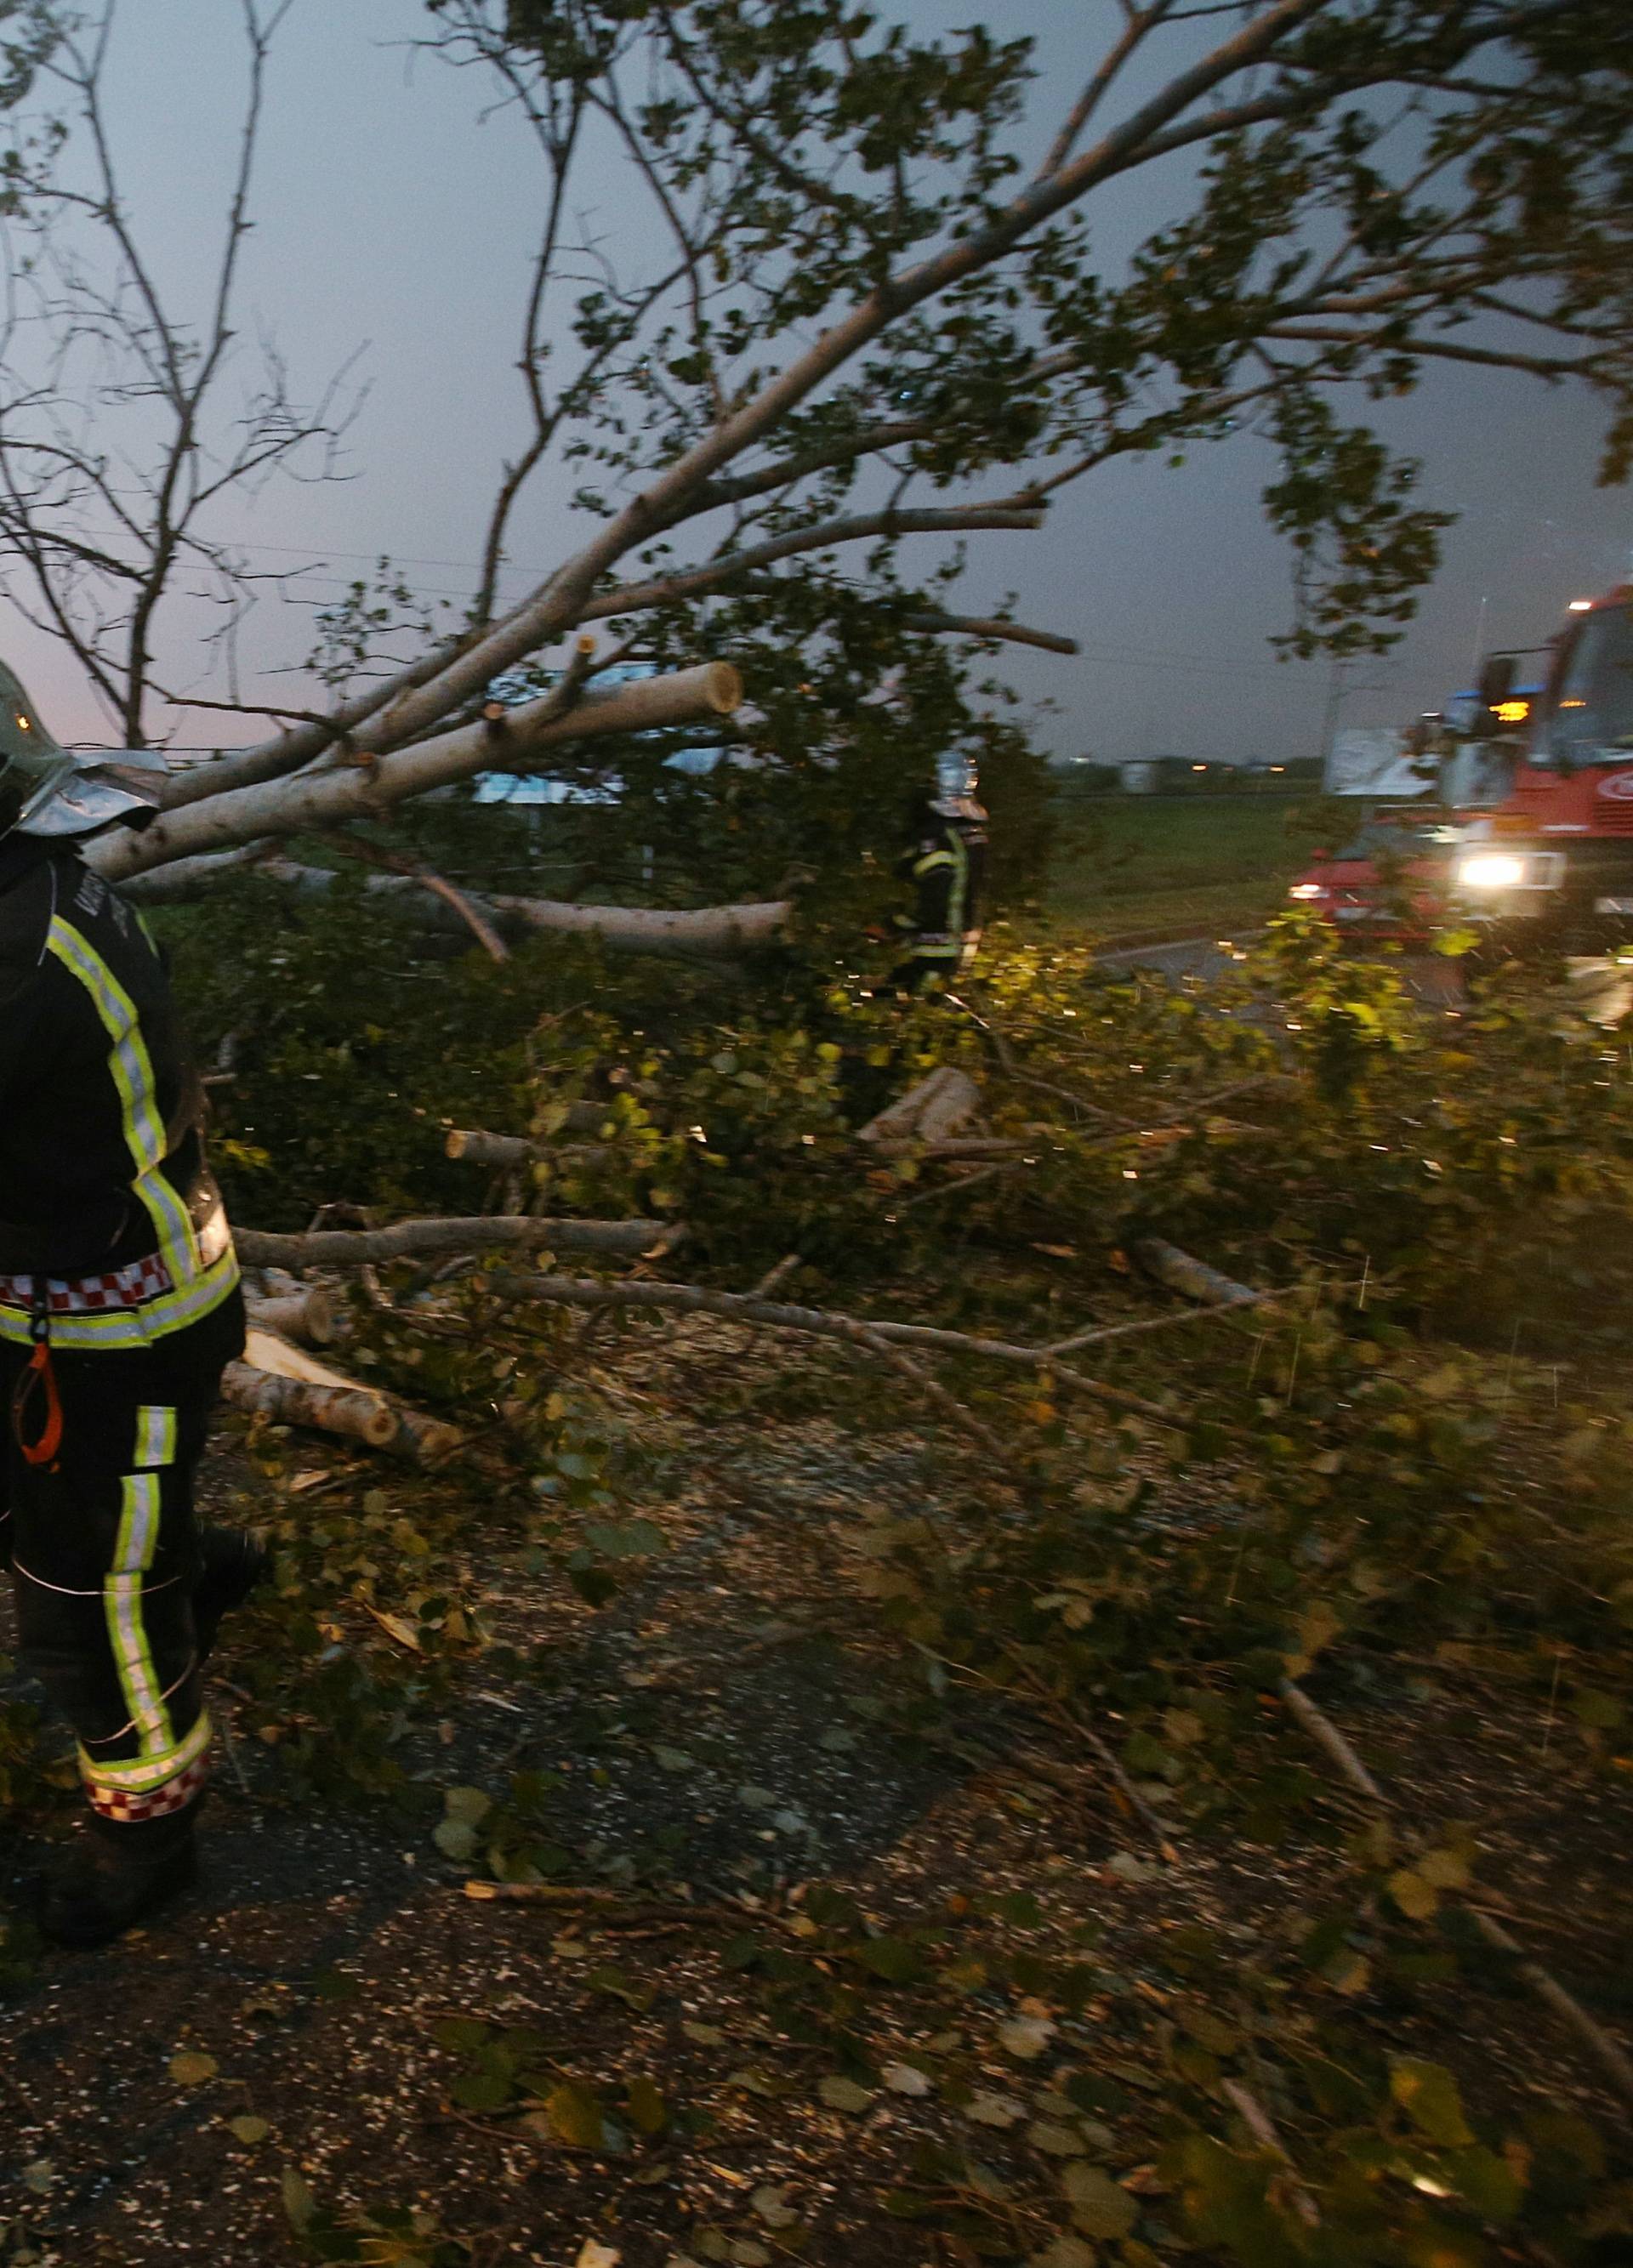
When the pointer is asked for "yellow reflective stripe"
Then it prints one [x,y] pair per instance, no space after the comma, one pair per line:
[134,1327]
[935,858]
[132,1072]
[121,1606]
[172,1226]
[149,1772]
[958,903]
[156,1436]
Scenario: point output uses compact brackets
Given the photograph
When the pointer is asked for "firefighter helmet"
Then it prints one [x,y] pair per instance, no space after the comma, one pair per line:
[957,788]
[46,789]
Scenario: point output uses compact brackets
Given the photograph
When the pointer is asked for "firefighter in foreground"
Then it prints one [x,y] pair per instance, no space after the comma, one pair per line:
[947,865]
[119,1308]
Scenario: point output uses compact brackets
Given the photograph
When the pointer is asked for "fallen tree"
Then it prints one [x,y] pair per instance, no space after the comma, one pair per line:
[901,366]
[367,783]
[710,932]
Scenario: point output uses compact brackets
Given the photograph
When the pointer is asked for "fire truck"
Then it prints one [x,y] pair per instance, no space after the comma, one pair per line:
[1551,862]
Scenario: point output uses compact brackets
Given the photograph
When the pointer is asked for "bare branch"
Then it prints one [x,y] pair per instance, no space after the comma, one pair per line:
[689,582]
[995,628]
[1140,24]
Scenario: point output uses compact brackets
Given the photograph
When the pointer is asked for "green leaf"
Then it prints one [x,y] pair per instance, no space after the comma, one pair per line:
[190,2068]
[468,1804]
[1429,2094]
[1348,1973]
[482,2090]
[1415,1896]
[1491,2184]
[618,1986]
[248,2129]
[576,2116]
[1212,2032]
[462,2035]
[1444,1869]
[1099,2207]
[455,1838]
[842,2094]
[646,2108]
[990,2110]
[299,2203]
[891,1959]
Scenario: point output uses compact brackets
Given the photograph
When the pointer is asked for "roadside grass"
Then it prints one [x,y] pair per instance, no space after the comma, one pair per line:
[1139,866]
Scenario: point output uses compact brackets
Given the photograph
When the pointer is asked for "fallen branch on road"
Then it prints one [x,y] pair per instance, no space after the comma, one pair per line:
[819,1322]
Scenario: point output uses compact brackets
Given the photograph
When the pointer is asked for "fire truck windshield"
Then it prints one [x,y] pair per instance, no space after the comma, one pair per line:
[1592,713]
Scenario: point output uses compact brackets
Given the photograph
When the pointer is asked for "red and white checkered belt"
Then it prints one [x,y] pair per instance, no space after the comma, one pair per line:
[130,1286]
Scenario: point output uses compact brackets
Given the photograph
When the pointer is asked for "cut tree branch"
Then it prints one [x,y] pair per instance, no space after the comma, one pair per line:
[366,790]
[357,1247]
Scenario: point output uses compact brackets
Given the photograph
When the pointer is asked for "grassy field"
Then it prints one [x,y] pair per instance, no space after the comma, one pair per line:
[1177,865]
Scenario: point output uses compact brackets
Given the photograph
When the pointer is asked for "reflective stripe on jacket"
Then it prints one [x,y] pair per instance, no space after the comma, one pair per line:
[102,1162]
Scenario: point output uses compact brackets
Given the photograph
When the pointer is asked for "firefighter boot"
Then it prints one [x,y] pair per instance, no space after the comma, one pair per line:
[115,1875]
[234,1563]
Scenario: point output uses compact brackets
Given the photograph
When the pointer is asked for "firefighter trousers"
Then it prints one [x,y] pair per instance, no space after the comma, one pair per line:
[103,1547]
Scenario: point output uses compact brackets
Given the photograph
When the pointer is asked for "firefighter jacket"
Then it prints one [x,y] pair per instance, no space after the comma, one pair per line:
[947,865]
[104,1187]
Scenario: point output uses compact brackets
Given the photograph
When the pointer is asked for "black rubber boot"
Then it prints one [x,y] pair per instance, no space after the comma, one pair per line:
[112,1877]
[234,1563]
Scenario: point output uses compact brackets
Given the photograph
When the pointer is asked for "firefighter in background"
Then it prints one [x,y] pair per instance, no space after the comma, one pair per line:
[119,1308]
[947,865]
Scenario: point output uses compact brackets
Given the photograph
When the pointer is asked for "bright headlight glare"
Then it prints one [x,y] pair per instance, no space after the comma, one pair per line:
[1305,890]
[1494,871]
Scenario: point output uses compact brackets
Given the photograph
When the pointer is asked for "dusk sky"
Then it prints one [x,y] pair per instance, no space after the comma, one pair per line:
[391,220]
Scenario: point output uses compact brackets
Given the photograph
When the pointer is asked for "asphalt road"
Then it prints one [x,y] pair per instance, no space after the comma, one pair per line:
[1436,982]
[1192,956]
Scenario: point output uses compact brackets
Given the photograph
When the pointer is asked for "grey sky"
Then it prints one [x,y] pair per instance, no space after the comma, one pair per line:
[387,215]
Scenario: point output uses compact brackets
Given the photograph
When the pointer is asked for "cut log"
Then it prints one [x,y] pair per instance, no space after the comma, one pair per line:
[1192,1280]
[308,1313]
[352,1413]
[504,1153]
[354,1247]
[930,1112]
[284,1382]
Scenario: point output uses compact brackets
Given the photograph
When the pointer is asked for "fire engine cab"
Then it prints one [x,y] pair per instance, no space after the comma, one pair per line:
[1553,859]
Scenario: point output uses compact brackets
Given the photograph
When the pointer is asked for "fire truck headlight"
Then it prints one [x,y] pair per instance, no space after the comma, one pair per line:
[1491,869]
[1306,890]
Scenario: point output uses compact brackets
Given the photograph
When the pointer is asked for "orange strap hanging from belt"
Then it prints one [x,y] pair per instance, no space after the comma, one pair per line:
[39,1376]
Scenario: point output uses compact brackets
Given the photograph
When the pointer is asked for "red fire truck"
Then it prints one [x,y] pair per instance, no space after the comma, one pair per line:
[1552,862]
